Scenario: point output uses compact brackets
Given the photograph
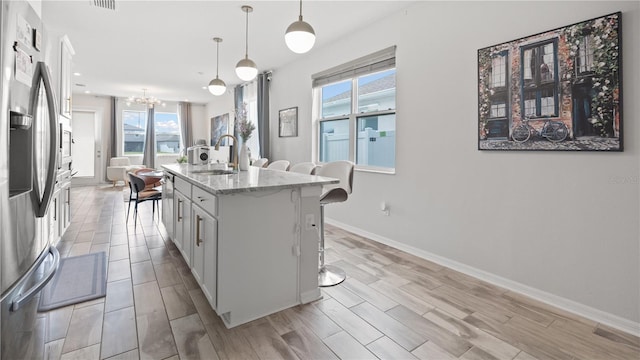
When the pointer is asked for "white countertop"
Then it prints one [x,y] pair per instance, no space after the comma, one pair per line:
[254,179]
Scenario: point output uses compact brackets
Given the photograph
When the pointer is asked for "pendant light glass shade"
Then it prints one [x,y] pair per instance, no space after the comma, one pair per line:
[246,69]
[300,36]
[216,86]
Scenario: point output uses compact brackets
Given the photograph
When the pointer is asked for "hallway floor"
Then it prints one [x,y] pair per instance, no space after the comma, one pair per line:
[392,306]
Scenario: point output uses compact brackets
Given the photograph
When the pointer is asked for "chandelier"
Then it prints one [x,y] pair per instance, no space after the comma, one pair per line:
[149,101]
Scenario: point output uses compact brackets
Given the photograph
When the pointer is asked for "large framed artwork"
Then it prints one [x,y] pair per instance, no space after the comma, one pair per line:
[219,127]
[557,90]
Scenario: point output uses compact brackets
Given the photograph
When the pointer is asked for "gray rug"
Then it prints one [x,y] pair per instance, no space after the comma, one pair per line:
[78,279]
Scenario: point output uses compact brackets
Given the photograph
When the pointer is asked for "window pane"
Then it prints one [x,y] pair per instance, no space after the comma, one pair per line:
[134,125]
[167,133]
[336,99]
[498,74]
[547,103]
[528,64]
[548,60]
[376,141]
[498,109]
[334,140]
[530,104]
[377,91]
[585,54]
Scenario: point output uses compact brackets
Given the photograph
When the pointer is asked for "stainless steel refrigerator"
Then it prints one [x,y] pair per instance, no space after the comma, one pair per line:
[28,150]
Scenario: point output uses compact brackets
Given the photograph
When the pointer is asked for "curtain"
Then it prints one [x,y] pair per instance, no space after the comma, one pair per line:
[186,133]
[237,103]
[149,156]
[263,113]
[113,144]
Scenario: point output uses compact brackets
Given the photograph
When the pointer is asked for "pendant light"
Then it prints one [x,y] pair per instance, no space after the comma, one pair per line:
[246,69]
[217,87]
[300,36]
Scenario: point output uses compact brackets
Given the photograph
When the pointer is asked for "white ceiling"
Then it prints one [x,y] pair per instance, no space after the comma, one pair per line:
[167,47]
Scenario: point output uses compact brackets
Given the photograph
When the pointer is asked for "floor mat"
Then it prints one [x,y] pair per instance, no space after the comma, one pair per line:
[78,279]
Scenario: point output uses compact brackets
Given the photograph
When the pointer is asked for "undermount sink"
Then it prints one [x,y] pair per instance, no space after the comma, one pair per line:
[213,172]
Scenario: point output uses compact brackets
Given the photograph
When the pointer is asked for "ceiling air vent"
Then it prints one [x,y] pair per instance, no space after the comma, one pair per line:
[105,4]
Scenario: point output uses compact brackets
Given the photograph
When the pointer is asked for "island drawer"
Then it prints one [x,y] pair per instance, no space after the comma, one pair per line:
[183,186]
[205,200]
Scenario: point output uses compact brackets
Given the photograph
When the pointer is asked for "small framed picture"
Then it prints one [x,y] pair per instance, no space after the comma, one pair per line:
[288,122]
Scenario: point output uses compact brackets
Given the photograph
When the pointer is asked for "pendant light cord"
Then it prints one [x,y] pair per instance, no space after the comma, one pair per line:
[300,17]
[217,56]
[246,40]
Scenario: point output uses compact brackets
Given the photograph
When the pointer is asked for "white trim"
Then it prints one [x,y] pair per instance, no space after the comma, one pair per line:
[571,306]
[309,296]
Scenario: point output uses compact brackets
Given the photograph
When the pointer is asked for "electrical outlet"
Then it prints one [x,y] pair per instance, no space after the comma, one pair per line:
[309,222]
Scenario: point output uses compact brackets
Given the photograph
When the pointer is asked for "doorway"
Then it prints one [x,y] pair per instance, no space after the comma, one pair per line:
[86,147]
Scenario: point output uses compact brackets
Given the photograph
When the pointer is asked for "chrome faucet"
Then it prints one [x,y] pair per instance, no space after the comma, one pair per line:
[234,159]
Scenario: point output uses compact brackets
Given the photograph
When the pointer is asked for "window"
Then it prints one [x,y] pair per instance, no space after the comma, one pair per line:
[584,60]
[356,113]
[498,85]
[167,133]
[134,125]
[250,101]
[540,80]
[499,71]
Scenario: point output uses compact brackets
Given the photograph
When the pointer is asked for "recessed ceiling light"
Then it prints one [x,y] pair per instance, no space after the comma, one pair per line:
[77,74]
[204,88]
[87,92]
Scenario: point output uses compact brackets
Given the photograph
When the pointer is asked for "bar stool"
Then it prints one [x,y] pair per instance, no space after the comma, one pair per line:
[282,165]
[330,275]
[260,162]
[308,168]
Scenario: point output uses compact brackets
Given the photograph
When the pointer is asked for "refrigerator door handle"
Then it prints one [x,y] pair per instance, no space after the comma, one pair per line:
[41,72]
[27,295]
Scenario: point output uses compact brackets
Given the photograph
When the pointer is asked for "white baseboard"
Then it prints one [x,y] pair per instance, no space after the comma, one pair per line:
[577,308]
[309,296]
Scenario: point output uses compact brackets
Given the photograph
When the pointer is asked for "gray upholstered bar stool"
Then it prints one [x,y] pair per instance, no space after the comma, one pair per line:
[260,162]
[308,168]
[282,165]
[330,275]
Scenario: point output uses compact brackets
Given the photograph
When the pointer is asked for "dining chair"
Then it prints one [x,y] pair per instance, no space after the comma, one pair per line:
[330,275]
[260,162]
[308,168]
[282,165]
[140,194]
[149,181]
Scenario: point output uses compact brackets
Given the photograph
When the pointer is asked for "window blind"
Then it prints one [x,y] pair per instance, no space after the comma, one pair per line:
[378,61]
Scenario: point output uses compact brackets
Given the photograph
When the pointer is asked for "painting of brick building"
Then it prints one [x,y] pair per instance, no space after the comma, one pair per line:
[557,90]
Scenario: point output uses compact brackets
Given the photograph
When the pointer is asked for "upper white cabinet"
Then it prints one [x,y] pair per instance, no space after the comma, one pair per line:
[66,56]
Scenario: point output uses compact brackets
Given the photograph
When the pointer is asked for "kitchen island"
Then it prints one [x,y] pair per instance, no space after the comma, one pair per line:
[249,237]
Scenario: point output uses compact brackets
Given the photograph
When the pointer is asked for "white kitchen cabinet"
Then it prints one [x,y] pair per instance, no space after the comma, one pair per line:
[167,204]
[205,252]
[253,238]
[53,214]
[64,204]
[182,226]
[66,55]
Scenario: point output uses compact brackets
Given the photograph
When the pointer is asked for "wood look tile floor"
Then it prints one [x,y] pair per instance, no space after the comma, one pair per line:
[392,306]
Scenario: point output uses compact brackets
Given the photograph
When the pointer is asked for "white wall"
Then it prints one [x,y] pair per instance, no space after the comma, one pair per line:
[560,226]
[219,105]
